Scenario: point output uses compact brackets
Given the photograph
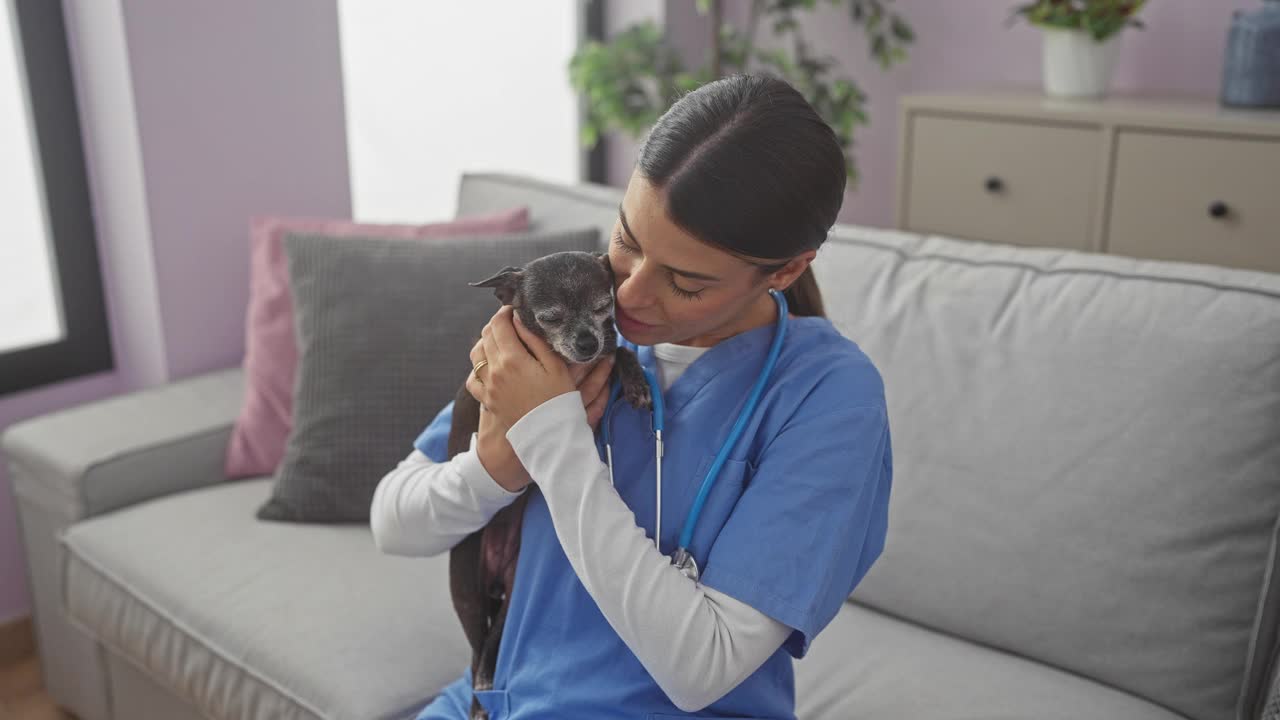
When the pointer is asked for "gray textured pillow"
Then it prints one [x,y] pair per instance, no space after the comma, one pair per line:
[384,329]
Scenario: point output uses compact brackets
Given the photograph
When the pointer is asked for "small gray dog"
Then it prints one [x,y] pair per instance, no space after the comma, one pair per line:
[566,299]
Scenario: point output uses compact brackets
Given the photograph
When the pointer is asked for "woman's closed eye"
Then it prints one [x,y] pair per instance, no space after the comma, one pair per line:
[681,292]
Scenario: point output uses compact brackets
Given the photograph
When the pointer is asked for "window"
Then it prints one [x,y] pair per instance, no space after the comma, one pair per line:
[52,319]
[433,89]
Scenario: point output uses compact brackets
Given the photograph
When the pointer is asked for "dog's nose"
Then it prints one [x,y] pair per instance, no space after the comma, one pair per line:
[586,344]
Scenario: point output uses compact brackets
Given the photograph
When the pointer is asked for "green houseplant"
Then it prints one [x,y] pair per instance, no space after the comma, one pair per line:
[629,81]
[1081,41]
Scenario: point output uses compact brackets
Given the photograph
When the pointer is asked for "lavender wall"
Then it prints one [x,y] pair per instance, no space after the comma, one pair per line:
[239,112]
[196,116]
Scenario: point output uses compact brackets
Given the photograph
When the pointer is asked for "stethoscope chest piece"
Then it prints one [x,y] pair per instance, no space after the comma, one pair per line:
[684,562]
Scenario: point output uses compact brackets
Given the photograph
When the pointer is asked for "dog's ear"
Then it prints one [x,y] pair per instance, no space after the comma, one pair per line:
[603,259]
[504,283]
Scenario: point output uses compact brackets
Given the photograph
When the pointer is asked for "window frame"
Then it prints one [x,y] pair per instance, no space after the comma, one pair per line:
[86,346]
[597,157]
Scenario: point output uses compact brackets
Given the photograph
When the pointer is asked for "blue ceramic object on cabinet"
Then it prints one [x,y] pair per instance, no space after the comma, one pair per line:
[1251,71]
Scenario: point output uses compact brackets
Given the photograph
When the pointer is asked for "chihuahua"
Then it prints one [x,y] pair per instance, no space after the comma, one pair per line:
[566,299]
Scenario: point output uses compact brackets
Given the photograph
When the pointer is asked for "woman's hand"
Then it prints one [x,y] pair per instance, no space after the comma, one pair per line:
[594,386]
[492,447]
[516,379]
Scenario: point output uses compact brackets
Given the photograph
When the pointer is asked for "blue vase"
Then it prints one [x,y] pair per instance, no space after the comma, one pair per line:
[1251,72]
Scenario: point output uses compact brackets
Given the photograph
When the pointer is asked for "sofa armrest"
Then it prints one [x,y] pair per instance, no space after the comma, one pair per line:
[101,456]
[1271,702]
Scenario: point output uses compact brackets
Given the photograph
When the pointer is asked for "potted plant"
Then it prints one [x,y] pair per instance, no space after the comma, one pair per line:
[629,81]
[1081,41]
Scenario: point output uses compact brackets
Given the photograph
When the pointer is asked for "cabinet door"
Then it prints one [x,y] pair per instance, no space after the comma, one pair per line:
[1196,198]
[1003,181]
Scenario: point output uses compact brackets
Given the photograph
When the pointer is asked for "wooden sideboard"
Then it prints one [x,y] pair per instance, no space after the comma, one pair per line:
[1147,178]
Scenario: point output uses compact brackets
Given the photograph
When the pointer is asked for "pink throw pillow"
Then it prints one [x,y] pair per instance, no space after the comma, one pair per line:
[271,353]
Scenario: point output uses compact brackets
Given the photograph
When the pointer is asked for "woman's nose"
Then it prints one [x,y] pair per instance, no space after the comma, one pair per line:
[635,289]
[633,294]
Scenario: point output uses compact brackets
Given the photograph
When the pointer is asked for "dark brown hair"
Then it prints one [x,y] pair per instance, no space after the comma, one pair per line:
[748,165]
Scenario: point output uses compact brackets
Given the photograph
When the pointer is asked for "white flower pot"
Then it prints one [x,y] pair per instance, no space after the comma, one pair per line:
[1076,65]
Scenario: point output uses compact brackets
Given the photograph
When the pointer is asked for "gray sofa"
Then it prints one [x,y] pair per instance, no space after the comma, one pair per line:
[1083,519]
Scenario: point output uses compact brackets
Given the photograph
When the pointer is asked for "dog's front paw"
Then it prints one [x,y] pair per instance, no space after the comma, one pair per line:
[635,389]
[638,395]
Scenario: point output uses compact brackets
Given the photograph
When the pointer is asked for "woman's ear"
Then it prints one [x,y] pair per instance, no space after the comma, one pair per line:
[795,267]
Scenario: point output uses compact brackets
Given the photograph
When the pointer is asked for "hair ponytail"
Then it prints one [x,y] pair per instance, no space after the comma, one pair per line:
[803,297]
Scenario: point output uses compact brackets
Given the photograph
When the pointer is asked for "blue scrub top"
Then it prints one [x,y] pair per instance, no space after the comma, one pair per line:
[796,518]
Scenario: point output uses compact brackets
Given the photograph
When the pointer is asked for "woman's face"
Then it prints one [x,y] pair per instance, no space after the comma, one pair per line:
[673,288]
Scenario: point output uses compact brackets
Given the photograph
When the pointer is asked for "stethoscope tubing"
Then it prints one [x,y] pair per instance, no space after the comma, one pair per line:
[695,510]
[658,419]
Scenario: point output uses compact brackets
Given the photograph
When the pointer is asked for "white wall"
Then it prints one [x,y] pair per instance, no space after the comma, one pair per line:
[436,88]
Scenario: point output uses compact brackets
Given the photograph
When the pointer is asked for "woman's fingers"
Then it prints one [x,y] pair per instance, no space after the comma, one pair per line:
[489,346]
[595,390]
[595,409]
[598,379]
[515,382]
[539,347]
[578,373]
[503,336]
[476,388]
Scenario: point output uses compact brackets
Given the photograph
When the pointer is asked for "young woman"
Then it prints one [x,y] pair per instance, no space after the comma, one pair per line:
[734,190]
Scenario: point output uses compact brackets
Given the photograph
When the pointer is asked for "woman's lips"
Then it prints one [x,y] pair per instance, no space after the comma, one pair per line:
[626,319]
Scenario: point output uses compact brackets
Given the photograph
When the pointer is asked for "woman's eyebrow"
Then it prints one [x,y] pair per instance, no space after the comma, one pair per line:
[686,273]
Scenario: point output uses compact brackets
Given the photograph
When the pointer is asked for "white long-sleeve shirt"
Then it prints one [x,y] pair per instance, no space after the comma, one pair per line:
[696,642]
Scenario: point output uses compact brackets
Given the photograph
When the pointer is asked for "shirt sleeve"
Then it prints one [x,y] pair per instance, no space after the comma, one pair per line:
[811,521]
[697,643]
[433,441]
[426,505]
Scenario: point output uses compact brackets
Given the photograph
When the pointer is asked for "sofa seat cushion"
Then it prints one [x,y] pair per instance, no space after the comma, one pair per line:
[250,619]
[867,664]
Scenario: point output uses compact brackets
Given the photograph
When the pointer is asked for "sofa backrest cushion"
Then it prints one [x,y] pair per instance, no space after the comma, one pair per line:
[1087,453]
[552,206]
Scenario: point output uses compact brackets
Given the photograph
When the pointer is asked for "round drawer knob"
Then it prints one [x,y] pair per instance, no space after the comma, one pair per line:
[1219,210]
[994,184]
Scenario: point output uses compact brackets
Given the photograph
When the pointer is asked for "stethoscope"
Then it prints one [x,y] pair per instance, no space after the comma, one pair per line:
[683,559]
